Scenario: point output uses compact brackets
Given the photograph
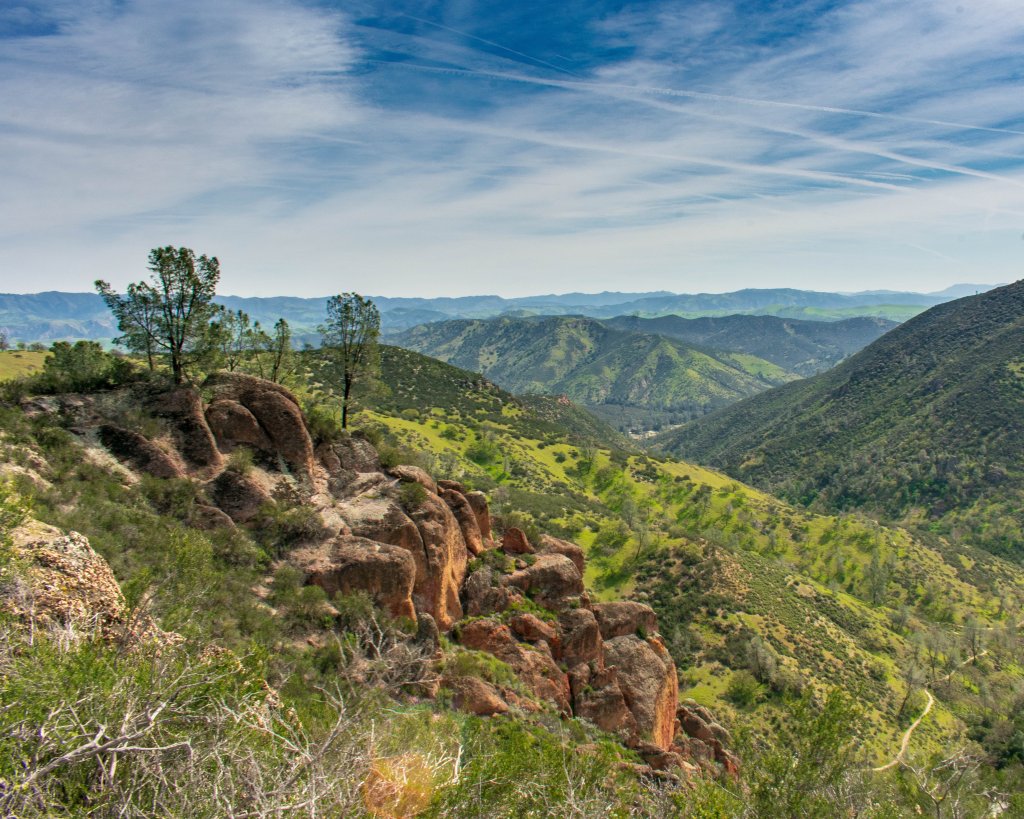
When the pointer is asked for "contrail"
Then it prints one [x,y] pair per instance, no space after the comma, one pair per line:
[492,43]
[676,92]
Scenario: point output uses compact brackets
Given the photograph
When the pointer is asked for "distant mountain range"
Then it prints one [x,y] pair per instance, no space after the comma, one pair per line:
[56,315]
[924,425]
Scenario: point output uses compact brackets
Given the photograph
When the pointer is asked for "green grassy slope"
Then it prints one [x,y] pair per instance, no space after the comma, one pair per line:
[17,363]
[925,425]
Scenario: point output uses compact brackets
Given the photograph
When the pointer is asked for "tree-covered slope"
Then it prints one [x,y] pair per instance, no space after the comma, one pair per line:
[595,365]
[804,347]
[925,424]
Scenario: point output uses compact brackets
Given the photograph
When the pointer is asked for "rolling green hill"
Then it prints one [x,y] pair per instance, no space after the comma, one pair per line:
[925,426]
[803,347]
[631,377]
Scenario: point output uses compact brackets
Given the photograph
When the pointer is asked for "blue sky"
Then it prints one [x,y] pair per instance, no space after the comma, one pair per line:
[452,148]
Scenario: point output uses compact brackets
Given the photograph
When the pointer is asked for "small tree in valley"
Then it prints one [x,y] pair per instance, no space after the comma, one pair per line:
[350,344]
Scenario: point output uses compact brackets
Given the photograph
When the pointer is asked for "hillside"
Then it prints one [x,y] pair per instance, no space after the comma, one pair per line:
[924,426]
[803,347]
[791,627]
[646,378]
[830,600]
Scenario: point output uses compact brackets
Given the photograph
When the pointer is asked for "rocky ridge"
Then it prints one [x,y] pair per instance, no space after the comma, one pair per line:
[424,550]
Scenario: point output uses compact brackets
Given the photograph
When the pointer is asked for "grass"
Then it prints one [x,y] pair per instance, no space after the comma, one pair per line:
[18,363]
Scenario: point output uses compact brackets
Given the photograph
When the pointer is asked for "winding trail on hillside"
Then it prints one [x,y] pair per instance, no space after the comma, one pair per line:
[896,760]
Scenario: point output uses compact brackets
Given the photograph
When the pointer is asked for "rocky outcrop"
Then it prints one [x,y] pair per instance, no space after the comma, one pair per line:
[466,518]
[276,412]
[478,502]
[64,584]
[647,677]
[239,495]
[350,564]
[183,408]
[624,617]
[445,554]
[533,663]
[414,474]
[233,425]
[551,580]
[515,542]
[552,545]
[138,452]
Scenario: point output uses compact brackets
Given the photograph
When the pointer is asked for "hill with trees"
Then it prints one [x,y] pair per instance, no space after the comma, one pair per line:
[923,426]
[627,378]
[802,347]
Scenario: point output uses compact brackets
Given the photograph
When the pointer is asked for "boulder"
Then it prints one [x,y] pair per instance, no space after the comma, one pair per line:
[414,474]
[552,545]
[183,407]
[478,500]
[350,563]
[238,495]
[552,581]
[138,452]
[233,426]
[695,726]
[209,518]
[514,542]
[455,486]
[445,558]
[532,629]
[475,696]
[597,696]
[625,617]
[281,420]
[61,581]
[533,665]
[647,677]
[579,636]
[355,454]
[464,515]
[482,593]
[275,409]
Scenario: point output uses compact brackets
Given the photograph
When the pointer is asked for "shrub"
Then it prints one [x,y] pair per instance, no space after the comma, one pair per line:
[411,496]
[743,689]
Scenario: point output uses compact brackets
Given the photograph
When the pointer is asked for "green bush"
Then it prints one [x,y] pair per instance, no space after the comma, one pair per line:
[743,689]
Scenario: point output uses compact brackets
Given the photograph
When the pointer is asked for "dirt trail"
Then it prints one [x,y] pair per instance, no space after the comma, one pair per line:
[896,760]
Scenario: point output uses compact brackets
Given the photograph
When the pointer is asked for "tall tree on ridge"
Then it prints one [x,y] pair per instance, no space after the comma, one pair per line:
[350,343]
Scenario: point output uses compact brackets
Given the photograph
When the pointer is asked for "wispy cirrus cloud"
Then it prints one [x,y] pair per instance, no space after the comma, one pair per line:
[451,148]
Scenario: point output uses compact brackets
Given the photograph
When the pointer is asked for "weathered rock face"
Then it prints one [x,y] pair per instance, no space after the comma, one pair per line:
[276,412]
[552,545]
[625,617]
[233,425]
[238,495]
[580,636]
[466,517]
[446,555]
[533,664]
[475,696]
[552,581]
[597,696]
[183,408]
[349,563]
[138,452]
[647,677]
[478,501]
[413,474]
[514,542]
[67,585]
